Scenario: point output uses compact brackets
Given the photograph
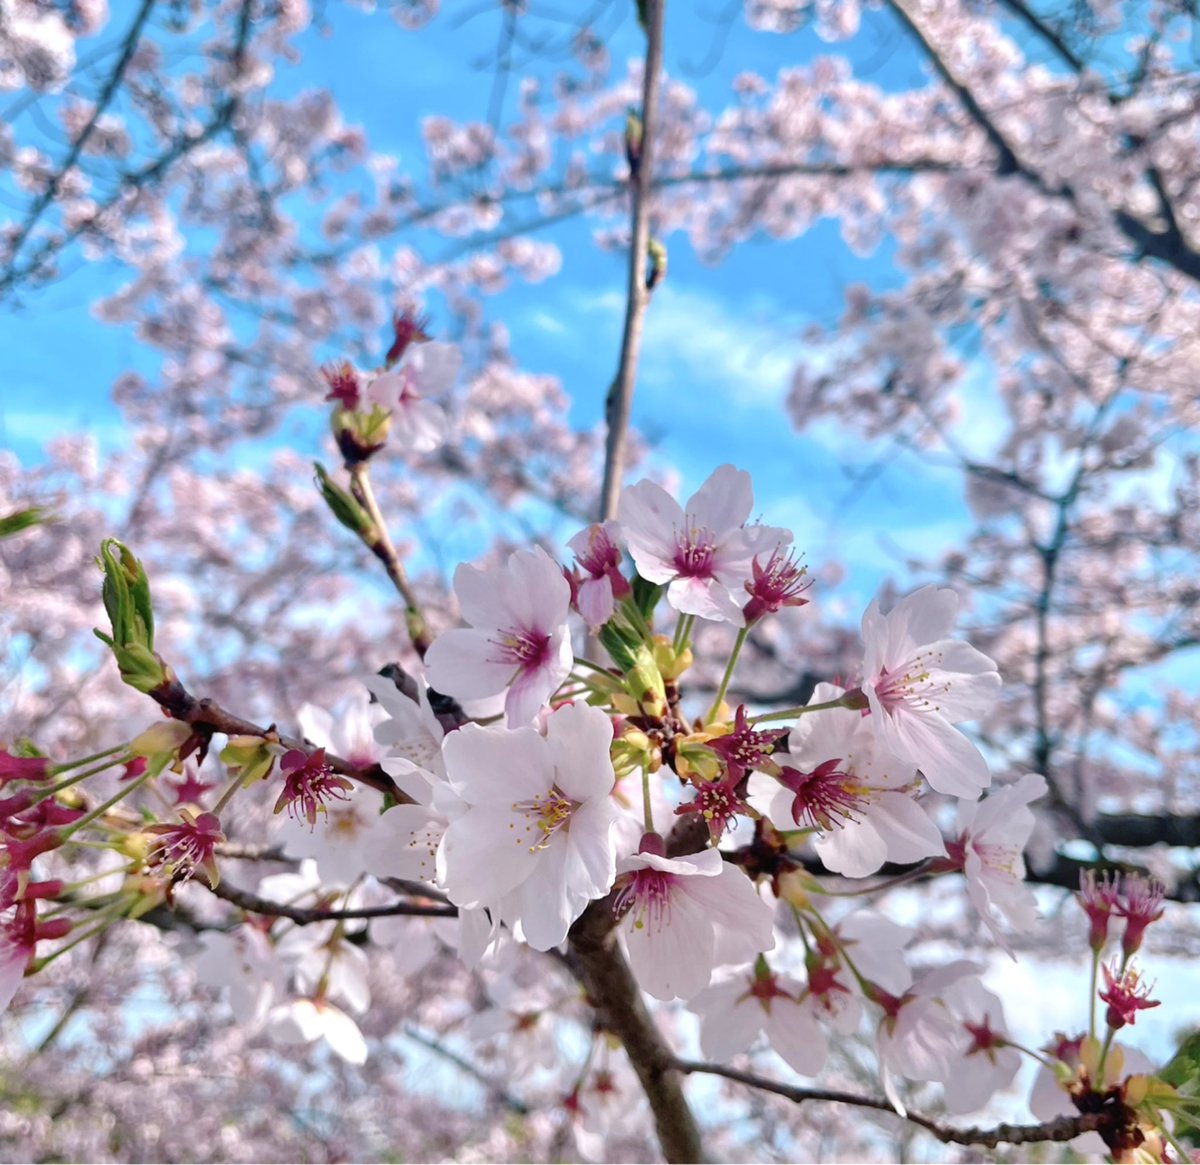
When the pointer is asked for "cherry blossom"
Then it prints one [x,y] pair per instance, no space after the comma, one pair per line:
[682,917]
[597,553]
[919,684]
[703,551]
[836,777]
[535,841]
[992,834]
[518,638]
[418,425]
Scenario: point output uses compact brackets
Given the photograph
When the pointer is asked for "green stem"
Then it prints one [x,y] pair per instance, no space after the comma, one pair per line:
[733,658]
[1092,997]
[226,795]
[66,766]
[100,810]
[647,815]
[54,790]
[683,632]
[790,713]
[606,672]
[42,963]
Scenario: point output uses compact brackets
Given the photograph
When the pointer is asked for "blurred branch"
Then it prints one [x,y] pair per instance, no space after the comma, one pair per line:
[637,295]
[495,1090]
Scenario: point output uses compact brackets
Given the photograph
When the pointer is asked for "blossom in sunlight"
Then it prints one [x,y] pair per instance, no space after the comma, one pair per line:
[947,1027]
[535,840]
[304,1021]
[836,778]
[518,637]
[919,684]
[682,917]
[992,834]
[703,551]
[597,553]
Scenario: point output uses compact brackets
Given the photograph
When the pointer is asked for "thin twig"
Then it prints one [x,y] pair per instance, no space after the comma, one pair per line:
[637,296]
[495,1090]
[306,916]
[1063,1128]
[383,549]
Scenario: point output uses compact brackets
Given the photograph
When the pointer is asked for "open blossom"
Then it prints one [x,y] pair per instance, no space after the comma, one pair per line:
[836,778]
[992,834]
[245,963]
[947,1027]
[304,1021]
[682,917]
[919,684]
[308,782]
[734,1010]
[518,638]
[187,846]
[703,551]
[535,841]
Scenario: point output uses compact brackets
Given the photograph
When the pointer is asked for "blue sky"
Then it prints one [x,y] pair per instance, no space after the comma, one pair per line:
[721,341]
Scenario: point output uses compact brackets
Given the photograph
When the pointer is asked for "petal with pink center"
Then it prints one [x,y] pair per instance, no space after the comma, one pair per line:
[463,662]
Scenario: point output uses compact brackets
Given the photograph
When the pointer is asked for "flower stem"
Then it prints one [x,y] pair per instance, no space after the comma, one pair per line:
[1092,996]
[66,766]
[66,784]
[789,713]
[100,810]
[683,632]
[733,658]
[647,815]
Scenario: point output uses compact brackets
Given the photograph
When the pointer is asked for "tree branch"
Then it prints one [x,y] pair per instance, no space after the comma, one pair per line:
[637,295]
[306,916]
[597,962]
[1063,1128]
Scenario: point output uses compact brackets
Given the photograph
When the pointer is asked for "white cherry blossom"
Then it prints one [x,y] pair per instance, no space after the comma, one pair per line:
[682,917]
[535,840]
[518,638]
[919,684]
[864,805]
[992,835]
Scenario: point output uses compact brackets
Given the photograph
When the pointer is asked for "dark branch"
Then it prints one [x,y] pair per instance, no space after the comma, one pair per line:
[1063,1128]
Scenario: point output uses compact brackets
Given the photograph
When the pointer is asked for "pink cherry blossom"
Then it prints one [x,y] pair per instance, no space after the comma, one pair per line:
[596,551]
[426,369]
[682,917]
[736,1009]
[518,638]
[919,684]
[838,778]
[992,834]
[703,551]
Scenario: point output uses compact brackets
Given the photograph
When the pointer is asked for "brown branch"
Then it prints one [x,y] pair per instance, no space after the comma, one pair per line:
[207,717]
[383,549]
[637,295]
[1063,1128]
[306,916]
[597,962]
